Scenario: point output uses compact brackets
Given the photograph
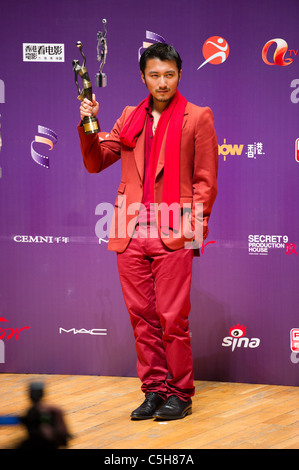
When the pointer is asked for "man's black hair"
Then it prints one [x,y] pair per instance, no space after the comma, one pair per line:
[162,51]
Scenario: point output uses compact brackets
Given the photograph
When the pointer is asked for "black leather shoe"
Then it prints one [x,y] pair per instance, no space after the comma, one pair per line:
[174,408]
[148,407]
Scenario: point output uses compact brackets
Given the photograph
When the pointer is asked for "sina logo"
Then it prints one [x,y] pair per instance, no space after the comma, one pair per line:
[237,338]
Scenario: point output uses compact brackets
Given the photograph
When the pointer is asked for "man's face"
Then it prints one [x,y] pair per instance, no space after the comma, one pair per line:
[161,78]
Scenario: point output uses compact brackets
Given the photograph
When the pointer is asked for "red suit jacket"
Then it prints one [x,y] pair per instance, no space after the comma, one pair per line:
[198,175]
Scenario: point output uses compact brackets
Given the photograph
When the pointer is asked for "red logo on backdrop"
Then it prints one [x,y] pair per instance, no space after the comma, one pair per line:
[215,50]
[297,150]
[7,333]
[280,51]
[237,331]
[295,339]
[291,248]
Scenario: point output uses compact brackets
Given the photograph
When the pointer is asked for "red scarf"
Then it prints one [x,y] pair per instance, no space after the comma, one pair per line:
[171,117]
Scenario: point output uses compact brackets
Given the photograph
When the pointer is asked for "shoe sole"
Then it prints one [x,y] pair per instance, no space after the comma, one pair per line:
[187,412]
[139,418]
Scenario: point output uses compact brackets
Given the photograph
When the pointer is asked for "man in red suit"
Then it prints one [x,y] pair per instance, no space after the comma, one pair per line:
[169,161]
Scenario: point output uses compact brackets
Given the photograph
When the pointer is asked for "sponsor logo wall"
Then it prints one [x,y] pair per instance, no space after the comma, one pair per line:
[56,272]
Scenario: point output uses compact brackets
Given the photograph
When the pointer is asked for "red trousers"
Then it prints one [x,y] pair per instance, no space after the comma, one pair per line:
[156,288]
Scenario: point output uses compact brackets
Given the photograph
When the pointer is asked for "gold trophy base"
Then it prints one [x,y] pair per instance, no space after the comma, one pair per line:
[90,125]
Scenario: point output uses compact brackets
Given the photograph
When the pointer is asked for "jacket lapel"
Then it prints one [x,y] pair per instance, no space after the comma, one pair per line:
[139,154]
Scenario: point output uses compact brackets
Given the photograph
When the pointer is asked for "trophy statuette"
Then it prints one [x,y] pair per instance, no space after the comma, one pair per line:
[101,78]
[90,123]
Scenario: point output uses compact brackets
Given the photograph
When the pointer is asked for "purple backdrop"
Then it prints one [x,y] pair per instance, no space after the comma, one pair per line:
[61,306]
